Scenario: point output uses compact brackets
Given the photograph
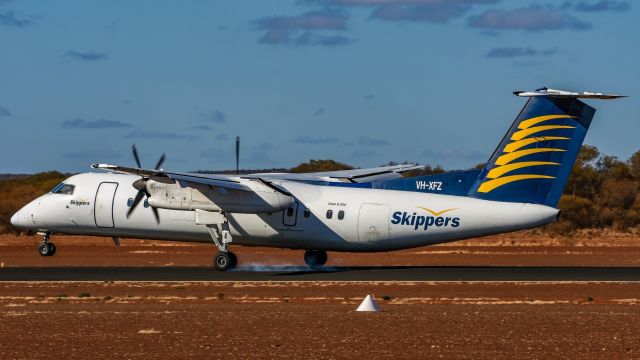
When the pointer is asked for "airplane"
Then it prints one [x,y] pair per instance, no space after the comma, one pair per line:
[362,210]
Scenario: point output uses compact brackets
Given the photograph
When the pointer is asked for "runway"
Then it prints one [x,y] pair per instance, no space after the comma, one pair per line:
[368,273]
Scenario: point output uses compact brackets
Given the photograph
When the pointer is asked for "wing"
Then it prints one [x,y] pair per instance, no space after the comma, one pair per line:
[354,175]
[223,181]
[234,181]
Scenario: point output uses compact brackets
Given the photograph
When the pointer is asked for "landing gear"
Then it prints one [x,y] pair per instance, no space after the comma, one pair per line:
[219,232]
[315,259]
[225,260]
[46,248]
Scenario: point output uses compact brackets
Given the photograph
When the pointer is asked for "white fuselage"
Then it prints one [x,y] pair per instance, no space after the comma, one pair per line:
[361,219]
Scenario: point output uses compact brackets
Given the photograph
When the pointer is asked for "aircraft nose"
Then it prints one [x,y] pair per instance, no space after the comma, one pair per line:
[15,219]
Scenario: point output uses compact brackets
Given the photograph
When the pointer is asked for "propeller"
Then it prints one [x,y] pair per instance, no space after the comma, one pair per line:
[141,184]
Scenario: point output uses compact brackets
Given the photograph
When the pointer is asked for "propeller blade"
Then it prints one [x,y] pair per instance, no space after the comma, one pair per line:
[155,211]
[136,201]
[135,156]
[160,162]
[155,214]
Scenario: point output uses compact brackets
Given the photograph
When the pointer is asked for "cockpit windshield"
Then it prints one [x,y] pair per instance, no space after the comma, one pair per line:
[63,188]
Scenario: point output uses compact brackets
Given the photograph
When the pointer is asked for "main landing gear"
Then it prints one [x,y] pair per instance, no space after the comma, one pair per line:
[315,259]
[46,248]
[224,259]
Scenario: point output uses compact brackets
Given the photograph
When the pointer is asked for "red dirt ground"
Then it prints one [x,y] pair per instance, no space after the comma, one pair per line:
[293,320]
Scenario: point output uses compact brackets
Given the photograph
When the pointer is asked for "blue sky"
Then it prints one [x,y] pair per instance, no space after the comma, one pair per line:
[359,81]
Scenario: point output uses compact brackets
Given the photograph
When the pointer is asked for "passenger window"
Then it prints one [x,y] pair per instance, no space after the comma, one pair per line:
[329,214]
[130,202]
[340,214]
[307,213]
[290,212]
[63,188]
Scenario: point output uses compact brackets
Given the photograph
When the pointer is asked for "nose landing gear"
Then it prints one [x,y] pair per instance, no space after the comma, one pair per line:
[46,248]
[225,260]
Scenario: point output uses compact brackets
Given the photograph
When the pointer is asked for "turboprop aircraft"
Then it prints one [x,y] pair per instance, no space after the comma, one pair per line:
[362,210]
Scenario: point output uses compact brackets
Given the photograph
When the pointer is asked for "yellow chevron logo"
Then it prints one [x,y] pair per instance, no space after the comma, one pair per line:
[436,213]
[525,136]
[519,135]
[487,186]
[507,158]
[497,172]
[515,145]
[525,124]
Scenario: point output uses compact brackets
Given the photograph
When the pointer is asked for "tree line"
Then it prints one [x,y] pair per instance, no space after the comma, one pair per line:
[602,191]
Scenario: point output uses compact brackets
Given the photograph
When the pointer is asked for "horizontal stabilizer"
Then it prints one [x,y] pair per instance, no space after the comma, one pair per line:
[566,94]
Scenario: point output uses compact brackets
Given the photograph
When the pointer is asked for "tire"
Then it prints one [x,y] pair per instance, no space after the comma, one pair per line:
[315,259]
[222,261]
[52,249]
[44,250]
[234,260]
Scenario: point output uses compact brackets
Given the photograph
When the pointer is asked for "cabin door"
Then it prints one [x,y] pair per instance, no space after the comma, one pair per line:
[103,206]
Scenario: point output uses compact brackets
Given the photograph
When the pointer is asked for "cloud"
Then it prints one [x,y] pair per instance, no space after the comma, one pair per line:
[4,111]
[318,112]
[10,19]
[435,11]
[325,19]
[394,2]
[598,6]
[531,18]
[315,140]
[96,124]
[87,56]
[295,39]
[93,155]
[300,30]
[367,141]
[215,116]
[512,52]
[152,134]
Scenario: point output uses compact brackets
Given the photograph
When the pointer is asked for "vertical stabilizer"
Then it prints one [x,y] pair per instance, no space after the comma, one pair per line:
[534,159]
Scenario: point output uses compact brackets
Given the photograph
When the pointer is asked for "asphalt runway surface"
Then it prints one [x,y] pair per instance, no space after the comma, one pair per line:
[292,273]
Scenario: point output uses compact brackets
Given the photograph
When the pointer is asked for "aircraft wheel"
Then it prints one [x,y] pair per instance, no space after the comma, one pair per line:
[44,250]
[52,249]
[223,261]
[315,258]
[234,259]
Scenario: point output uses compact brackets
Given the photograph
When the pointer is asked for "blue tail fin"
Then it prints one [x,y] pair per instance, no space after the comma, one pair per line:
[534,159]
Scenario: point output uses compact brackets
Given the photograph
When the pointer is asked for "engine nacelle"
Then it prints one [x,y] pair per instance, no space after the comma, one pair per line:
[167,194]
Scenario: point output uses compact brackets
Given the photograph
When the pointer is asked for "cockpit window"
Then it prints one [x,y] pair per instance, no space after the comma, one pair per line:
[66,189]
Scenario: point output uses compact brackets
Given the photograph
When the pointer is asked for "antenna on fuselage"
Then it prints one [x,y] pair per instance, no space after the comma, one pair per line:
[237,155]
